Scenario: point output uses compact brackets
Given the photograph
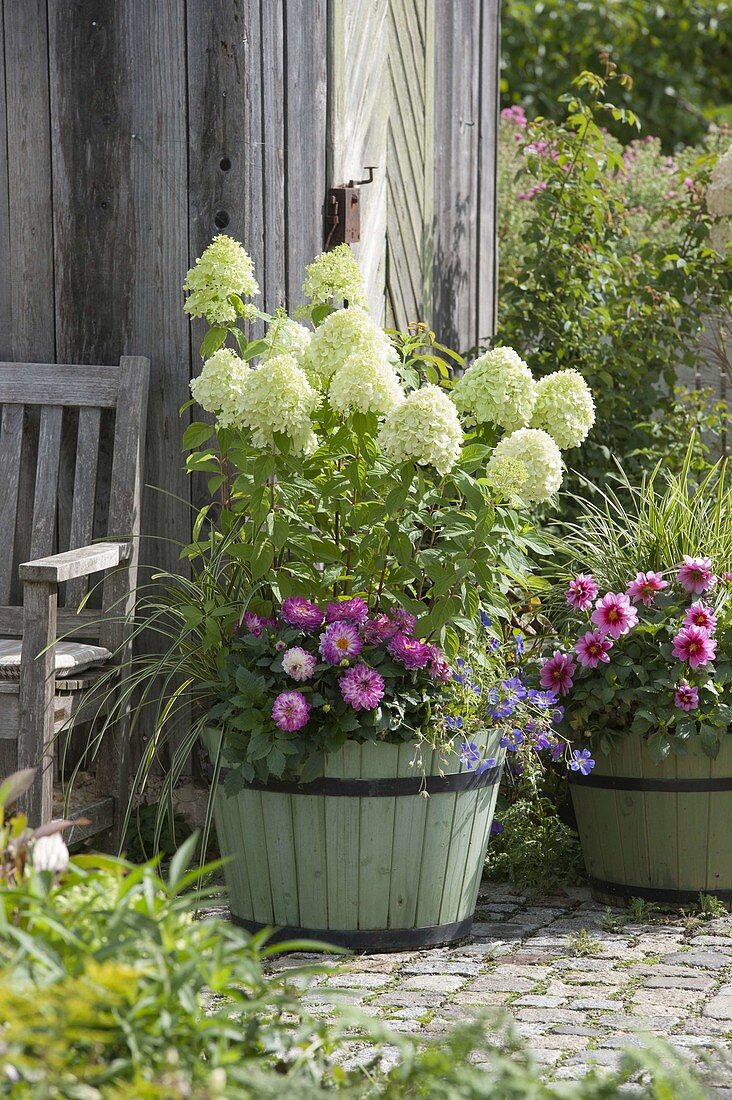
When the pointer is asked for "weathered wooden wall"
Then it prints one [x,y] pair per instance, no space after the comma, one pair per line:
[132,131]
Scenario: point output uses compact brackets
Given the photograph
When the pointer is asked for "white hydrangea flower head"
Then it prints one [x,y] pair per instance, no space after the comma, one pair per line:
[345,334]
[334,277]
[564,408]
[424,428]
[540,456]
[49,853]
[220,385]
[222,269]
[497,389]
[506,476]
[285,337]
[279,398]
[719,203]
[365,385]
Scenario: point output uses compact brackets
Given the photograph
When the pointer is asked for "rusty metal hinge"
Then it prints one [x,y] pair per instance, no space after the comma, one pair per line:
[343,211]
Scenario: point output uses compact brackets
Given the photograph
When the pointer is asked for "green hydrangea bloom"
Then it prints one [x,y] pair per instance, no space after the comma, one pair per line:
[220,385]
[537,452]
[506,476]
[222,269]
[279,398]
[424,428]
[564,408]
[285,337]
[334,277]
[365,385]
[497,389]
[345,334]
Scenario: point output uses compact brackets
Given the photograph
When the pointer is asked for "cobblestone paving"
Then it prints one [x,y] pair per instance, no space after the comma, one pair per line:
[579,984]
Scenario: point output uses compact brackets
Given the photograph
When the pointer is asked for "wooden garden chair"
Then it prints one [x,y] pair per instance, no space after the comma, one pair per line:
[72,441]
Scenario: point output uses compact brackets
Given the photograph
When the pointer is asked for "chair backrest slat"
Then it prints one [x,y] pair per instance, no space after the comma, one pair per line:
[11,622]
[32,384]
[85,481]
[46,494]
[11,442]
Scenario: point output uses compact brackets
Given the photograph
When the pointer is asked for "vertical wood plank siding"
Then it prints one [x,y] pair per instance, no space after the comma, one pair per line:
[131,133]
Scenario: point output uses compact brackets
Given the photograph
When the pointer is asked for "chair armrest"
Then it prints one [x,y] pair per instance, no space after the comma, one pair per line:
[75,563]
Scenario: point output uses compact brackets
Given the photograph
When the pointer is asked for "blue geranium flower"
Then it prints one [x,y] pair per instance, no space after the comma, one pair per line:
[496,828]
[520,647]
[582,761]
[469,755]
[454,722]
[485,765]
[543,699]
[485,619]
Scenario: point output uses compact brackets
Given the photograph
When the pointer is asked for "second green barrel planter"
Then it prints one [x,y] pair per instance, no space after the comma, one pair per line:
[358,857]
[660,832]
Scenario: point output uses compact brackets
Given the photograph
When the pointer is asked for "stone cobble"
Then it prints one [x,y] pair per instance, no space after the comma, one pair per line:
[579,982]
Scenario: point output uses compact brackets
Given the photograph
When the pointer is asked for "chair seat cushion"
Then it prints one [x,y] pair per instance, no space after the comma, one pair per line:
[71,657]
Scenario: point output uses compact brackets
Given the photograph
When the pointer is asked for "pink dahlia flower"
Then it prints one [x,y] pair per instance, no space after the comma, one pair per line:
[645,586]
[694,645]
[593,647]
[301,613]
[686,697]
[404,621]
[341,641]
[614,614]
[702,616]
[253,623]
[378,629]
[556,673]
[290,710]
[582,592]
[438,666]
[362,687]
[696,575]
[298,663]
[347,611]
[408,651]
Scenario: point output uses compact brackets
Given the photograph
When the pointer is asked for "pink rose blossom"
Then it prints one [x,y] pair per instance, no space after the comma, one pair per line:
[592,648]
[301,613]
[686,697]
[362,687]
[645,586]
[614,614]
[290,710]
[702,616]
[582,592]
[556,673]
[341,641]
[298,663]
[409,652]
[696,575]
[347,611]
[694,645]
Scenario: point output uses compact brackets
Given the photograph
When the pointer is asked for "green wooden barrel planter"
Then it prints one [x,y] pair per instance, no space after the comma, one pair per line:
[358,857]
[656,831]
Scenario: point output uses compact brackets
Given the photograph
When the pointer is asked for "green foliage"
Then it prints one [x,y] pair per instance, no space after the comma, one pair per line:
[625,297]
[582,945]
[677,52]
[536,850]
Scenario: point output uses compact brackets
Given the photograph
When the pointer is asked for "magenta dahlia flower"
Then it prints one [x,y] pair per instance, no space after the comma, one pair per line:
[438,666]
[645,586]
[592,648]
[340,642]
[404,621]
[582,592]
[253,623]
[408,651]
[686,697]
[614,614]
[290,710]
[301,613]
[378,629]
[362,687]
[347,611]
[298,663]
[692,644]
[696,575]
[702,616]
[556,673]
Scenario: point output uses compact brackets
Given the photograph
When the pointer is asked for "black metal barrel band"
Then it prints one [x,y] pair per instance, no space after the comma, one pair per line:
[655,893]
[637,783]
[373,940]
[396,787]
